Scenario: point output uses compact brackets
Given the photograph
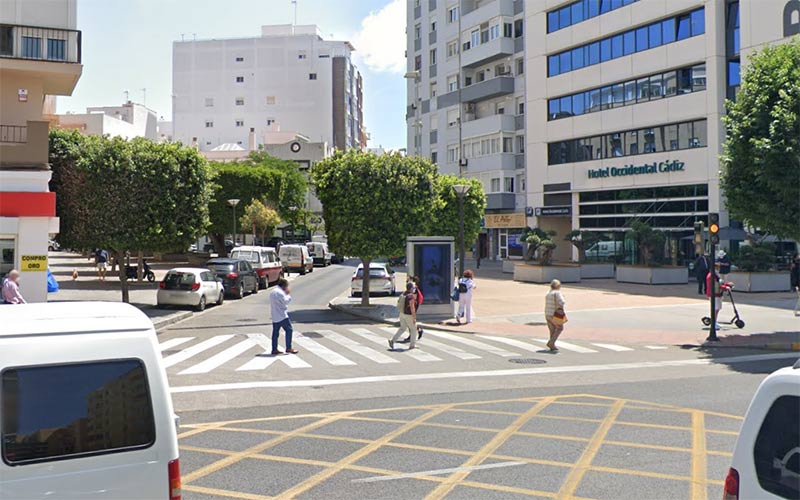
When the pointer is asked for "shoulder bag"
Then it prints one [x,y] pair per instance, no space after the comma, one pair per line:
[559,317]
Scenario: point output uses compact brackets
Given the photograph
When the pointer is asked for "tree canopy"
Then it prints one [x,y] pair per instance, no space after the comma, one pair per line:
[443,218]
[761,161]
[262,218]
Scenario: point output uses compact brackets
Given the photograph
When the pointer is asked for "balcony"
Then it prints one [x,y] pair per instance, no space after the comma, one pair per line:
[500,161]
[498,48]
[501,201]
[24,147]
[519,122]
[52,54]
[417,11]
[487,125]
[486,89]
[472,17]
[519,160]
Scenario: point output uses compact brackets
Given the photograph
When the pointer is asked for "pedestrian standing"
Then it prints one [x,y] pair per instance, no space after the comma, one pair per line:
[279,301]
[700,272]
[554,313]
[420,298]
[11,293]
[101,261]
[794,275]
[465,286]
[724,264]
[407,305]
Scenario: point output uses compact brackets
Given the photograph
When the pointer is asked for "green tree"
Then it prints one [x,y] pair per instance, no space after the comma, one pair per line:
[275,182]
[649,241]
[372,203]
[262,218]
[127,196]
[536,238]
[581,240]
[443,218]
[761,160]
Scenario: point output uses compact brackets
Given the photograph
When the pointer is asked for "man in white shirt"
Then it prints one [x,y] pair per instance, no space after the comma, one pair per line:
[279,301]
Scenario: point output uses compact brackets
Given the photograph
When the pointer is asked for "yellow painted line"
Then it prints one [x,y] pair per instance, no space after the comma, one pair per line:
[291,460]
[223,493]
[654,426]
[571,419]
[537,461]
[453,479]
[213,451]
[458,427]
[699,490]
[232,459]
[507,489]
[643,473]
[719,453]
[358,455]
[581,403]
[193,432]
[488,412]
[551,436]
[648,446]
[724,433]
[250,431]
[575,476]
[433,449]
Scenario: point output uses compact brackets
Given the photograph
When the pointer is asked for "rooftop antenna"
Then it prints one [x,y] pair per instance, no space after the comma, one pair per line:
[294,23]
[144,97]
[182,35]
[127,96]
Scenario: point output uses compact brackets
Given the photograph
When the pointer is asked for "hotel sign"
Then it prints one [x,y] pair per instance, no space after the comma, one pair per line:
[647,168]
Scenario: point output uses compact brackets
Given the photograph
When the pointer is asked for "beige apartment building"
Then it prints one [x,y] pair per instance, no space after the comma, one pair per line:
[40,56]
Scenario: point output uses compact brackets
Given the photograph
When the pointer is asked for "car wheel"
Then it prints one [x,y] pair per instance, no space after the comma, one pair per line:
[303,271]
[240,293]
[221,298]
[264,283]
[356,294]
[256,287]
[202,305]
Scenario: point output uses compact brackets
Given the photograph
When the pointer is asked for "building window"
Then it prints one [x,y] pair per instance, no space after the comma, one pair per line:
[580,11]
[452,14]
[508,30]
[474,39]
[520,144]
[240,59]
[433,26]
[56,49]
[520,66]
[239,79]
[417,63]
[452,83]
[31,47]
[494,185]
[312,76]
[494,32]
[452,154]
[518,28]
[508,145]
[270,100]
[634,40]
[209,102]
[270,121]
[209,124]
[417,32]
[452,117]
[432,57]
[302,54]
[508,185]
[240,101]
[433,89]
[240,123]
[452,48]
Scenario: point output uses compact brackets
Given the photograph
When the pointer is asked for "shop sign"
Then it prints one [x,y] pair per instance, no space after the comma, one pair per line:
[553,211]
[647,168]
[505,221]
[35,263]
[22,95]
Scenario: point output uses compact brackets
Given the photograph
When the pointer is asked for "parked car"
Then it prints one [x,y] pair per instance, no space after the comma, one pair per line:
[319,253]
[397,261]
[209,247]
[238,276]
[336,259]
[295,258]
[766,459]
[86,407]
[381,280]
[53,246]
[190,286]
[264,260]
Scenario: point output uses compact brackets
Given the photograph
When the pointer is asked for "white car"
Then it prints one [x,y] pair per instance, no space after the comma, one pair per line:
[86,407]
[381,280]
[766,459]
[190,286]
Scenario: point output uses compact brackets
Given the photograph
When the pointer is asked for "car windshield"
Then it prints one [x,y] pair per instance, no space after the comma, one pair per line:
[247,255]
[179,281]
[374,272]
[220,267]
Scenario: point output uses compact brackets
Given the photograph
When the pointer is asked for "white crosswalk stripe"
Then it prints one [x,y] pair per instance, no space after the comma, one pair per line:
[655,347]
[195,349]
[323,352]
[357,348]
[613,347]
[168,344]
[221,358]
[417,354]
[474,343]
[514,343]
[451,350]
[264,360]
[568,346]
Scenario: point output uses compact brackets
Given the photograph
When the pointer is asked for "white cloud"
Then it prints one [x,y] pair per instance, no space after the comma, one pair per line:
[381,41]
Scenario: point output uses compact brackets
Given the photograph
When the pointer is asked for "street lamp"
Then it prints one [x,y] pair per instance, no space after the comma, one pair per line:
[233,202]
[461,191]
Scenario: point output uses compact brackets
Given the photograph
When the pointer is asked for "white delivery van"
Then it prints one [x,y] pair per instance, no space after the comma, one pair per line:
[319,253]
[85,409]
[296,259]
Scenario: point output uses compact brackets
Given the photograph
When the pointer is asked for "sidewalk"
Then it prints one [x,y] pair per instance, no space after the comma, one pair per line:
[604,310]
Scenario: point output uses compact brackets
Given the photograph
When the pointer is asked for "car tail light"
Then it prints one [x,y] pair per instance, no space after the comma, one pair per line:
[174,479]
[355,278]
[731,489]
[195,287]
[162,284]
[232,276]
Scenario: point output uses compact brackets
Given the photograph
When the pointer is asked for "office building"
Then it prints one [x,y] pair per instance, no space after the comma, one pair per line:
[40,56]
[289,78]
[466,104]
[625,100]
[127,121]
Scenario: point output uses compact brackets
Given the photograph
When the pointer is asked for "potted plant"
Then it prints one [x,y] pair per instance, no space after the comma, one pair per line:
[582,240]
[756,270]
[542,244]
[650,243]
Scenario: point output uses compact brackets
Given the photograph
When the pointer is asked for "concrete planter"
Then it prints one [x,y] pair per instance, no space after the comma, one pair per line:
[597,271]
[531,273]
[760,282]
[652,275]
[508,265]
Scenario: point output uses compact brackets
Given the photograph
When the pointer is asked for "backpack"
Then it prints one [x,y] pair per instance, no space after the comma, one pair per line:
[420,298]
[462,287]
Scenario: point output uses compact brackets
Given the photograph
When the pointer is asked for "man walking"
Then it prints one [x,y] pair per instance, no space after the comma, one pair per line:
[279,301]
[101,261]
[700,272]
[407,305]
[11,293]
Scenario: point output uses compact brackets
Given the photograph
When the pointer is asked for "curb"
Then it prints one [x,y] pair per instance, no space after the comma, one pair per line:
[772,346]
[162,323]
[364,315]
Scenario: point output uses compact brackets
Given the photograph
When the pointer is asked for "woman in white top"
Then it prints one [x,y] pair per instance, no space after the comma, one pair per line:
[465,286]
[554,301]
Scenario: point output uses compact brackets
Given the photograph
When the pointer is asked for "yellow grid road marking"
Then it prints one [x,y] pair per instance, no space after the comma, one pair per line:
[443,489]
[699,490]
[575,476]
[223,493]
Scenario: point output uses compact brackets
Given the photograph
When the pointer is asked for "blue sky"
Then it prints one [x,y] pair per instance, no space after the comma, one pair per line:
[127,45]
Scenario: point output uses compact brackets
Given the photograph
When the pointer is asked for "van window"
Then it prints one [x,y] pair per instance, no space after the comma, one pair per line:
[776,453]
[247,255]
[55,412]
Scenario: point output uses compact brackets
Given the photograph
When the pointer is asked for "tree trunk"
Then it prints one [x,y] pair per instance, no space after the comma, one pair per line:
[365,284]
[139,266]
[219,243]
[123,279]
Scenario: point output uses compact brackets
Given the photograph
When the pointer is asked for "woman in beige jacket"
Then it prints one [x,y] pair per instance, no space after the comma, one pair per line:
[554,300]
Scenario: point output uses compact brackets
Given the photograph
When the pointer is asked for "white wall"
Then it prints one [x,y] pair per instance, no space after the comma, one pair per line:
[42,13]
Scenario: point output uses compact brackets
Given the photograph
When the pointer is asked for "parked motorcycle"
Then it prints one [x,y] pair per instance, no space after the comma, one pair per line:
[130,272]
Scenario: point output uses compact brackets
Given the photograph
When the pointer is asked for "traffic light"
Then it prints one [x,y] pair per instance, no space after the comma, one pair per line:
[698,238]
[713,228]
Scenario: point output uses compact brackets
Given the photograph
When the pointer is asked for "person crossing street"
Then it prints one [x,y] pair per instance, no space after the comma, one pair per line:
[407,305]
[279,301]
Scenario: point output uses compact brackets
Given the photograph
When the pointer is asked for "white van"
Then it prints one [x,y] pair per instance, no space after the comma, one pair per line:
[319,253]
[85,409]
[296,259]
[264,260]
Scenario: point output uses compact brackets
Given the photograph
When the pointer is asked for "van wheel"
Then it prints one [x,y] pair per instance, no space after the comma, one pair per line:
[221,298]
[303,271]
[202,305]
[263,283]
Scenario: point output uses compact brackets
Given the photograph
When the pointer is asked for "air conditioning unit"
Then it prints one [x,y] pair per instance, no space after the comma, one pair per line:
[469,107]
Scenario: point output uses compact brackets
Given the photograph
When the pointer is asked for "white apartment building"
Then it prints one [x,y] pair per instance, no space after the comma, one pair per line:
[466,106]
[624,101]
[289,78]
[127,121]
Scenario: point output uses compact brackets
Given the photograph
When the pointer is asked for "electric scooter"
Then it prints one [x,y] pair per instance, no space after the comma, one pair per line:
[736,320]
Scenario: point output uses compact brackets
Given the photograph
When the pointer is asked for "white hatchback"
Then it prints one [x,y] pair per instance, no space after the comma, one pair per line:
[381,280]
[190,286]
[766,460]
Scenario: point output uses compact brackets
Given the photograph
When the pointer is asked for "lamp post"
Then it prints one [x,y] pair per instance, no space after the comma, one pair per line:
[233,202]
[461,191]
[415,75]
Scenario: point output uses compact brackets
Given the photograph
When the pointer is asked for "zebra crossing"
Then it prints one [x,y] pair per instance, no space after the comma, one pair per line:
[354,346]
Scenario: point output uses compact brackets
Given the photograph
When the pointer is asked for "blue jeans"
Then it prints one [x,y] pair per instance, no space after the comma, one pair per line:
[276,330]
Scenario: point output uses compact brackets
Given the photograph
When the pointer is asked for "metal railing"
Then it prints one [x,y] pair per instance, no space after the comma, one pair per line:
[40,44]
[17,134]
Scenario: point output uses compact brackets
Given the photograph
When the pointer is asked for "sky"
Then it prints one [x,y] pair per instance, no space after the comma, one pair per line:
[127,45]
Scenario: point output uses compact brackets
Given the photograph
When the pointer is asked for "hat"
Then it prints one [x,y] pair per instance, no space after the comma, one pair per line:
[721,254]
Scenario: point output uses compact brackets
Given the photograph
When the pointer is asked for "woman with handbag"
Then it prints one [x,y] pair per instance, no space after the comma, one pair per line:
[554,313]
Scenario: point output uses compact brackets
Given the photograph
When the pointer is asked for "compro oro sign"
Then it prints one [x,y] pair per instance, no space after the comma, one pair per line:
[505,221]
[647,168]
[33,263]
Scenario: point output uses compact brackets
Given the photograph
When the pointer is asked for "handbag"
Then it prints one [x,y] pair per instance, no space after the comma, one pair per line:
[559,316]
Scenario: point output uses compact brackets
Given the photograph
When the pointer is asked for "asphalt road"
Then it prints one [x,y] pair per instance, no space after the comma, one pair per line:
[461,417]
